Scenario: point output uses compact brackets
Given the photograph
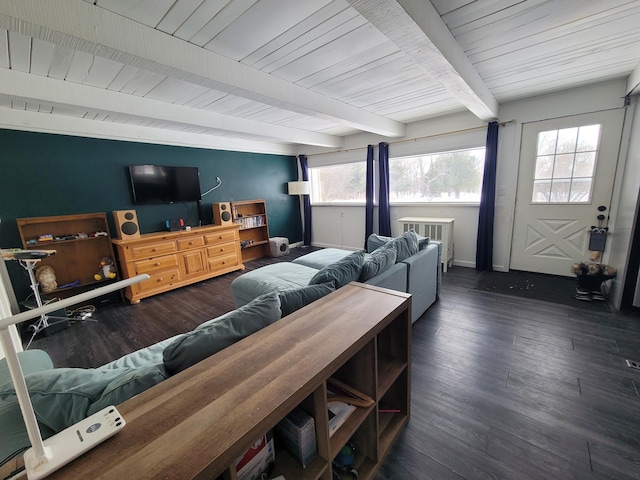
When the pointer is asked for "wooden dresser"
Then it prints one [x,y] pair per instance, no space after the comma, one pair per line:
[176,259]
[195,424]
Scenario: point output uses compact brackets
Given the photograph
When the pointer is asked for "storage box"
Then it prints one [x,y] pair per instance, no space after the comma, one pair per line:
[297,432]
[279,246]
[257,458]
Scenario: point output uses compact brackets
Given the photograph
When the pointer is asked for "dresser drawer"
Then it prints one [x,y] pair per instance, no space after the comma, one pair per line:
[222,249]
[153,249]
[190,242]
[221,237]
[156,264]
[225,261]
[160,280]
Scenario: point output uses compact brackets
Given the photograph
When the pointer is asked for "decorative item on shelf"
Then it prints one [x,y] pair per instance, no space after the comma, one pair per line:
[45,237]
[107,270]
[592,278]
[46,277]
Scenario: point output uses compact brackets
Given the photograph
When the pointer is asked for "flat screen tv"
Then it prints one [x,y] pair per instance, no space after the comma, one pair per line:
[162,184]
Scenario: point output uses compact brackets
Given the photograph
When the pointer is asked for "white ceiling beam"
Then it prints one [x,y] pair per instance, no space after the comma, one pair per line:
[82,26]
[633,82]
[417,29]
[19,84]
[12,119]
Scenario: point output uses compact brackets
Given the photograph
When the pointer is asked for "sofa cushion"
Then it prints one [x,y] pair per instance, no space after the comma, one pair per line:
[219,333]
[376,241]
[62,396]
[129,385]
[270,278]
[345,270]
[295,299]
[378,261]
[406,245]
[14,438]
[322,258]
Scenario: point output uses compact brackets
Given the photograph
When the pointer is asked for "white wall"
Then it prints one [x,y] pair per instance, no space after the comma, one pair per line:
[626,203]
[343,226]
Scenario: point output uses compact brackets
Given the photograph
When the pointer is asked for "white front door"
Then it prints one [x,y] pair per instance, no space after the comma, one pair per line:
[567,168]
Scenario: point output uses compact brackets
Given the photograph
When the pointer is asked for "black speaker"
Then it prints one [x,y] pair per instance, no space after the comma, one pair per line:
[126,223]
[222,213]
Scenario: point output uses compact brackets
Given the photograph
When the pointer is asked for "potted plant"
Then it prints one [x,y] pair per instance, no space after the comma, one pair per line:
[591,279]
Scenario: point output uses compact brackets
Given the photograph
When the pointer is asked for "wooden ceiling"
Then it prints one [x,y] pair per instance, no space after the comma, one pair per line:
[276,75]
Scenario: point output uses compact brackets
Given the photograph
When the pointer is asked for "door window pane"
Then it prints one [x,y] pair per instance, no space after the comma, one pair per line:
[568,157]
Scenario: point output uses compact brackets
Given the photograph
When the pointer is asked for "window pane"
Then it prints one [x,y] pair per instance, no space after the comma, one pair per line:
[338,183]
[544,166]
[541,191]
[547,142]
[567,138]
[442,177]
[560,190]
[564,166]
[580,190]
[585,163]
[588,138]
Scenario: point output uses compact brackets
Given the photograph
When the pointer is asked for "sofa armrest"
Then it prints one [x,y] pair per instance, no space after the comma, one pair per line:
[394,278]
[423,278]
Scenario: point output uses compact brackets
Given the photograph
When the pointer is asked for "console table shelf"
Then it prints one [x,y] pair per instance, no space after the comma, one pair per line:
[198,422]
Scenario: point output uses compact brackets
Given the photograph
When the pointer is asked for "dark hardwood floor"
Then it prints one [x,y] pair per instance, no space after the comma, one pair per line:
[503,387]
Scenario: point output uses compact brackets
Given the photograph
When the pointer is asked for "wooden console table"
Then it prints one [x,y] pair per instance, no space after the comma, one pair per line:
[176,259]
[198,422]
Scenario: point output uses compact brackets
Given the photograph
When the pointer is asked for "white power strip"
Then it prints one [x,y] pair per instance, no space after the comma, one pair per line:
[72,442]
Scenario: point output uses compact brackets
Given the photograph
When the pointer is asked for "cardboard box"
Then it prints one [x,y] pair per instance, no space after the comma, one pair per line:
[297,432]
[257,458]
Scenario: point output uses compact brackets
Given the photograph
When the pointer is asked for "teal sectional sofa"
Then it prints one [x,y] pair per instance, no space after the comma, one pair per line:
[408,263]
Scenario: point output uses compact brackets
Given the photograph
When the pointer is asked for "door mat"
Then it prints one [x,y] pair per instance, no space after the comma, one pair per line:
[538,286]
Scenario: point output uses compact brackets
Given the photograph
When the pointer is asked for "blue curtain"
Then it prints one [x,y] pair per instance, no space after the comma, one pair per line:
[368,215]
[306,199]
[384,213]
[484,243]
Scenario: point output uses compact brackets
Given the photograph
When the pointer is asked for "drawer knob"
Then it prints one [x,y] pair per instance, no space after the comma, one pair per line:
[160,279]
[154,249]
[190,243]
[157,264]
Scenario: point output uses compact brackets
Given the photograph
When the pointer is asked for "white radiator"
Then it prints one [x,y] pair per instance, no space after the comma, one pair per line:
[439,229]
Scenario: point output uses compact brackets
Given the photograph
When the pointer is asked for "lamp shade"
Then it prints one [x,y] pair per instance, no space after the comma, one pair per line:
[299,188]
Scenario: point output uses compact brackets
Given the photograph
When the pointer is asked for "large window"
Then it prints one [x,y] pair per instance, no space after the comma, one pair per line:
[565,165]
[447,177]
[339,183]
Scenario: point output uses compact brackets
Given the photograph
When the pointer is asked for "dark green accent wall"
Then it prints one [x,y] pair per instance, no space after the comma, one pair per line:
[46,174]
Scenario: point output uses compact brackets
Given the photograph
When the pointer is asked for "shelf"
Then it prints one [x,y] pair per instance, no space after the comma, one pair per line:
[258,235]
[75,258]
[289,466]
[60,242]
[389,370]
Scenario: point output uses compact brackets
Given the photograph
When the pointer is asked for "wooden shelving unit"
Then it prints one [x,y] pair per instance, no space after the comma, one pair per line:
[251,215]
[78,249]
[359,335]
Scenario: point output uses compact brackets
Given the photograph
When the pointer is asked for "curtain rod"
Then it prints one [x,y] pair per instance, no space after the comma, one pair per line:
[470,129]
